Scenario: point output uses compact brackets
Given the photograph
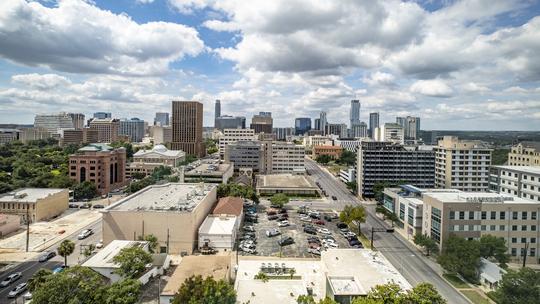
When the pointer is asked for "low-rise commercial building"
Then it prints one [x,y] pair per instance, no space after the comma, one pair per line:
[394,163]
[145,161]
[9,135]
[100,164]
[208,171]
[471,215]
[293,185]
[525,153]
[172,212]
[230,205]
[520,181]
[34,204]
[333,151]
[219,232]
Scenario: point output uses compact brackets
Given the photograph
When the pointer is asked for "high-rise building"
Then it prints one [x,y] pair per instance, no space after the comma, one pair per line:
[161,135]
[262,123]
[161,119]
[526,153]
[411,126]
[393,163]
[230,122]
[100,164]
[390,132]
[53,123]
[359,130]
[373,123]
[462,164]
[234,135]
[133,128]
[217,112]
[317,124]
[77,120]
[336,129]
[355,113]
[519,181]
[282,133]
[187,127]
[102,115]
[302,125]
[323,122]
[107,129]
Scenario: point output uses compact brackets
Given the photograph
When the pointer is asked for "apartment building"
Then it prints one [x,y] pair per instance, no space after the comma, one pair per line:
[393,163]
[99,164]
[525,153]
[233,136]
[519,181]
[471,215]
[172,212]
[35,204]
[107,129]
[462,164]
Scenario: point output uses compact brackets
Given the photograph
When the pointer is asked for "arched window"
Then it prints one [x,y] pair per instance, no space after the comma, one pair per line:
[82,174]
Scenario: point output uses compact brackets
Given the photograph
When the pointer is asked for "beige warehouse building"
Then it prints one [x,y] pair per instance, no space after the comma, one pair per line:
[38,203]
[172,212]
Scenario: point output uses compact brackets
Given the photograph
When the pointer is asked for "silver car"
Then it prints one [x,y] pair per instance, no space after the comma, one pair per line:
[17,290]
[10,279]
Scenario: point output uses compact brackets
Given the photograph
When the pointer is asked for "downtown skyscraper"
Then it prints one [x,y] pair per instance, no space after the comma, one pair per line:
[187,127]
[355,113]
[373,123]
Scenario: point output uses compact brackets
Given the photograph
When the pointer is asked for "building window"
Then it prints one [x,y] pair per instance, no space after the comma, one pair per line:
[524,215]
[514,227]
[452,215]
[492,228]
[502,228]
[533,227]
[502,215]
[484,215]
[514,215]
[533,240]
[523,240]
[471,215]
[533,215]
[533,252]
[514,240]
[462,215]
[514,251]
[436,224]
[523,227]
[493,215]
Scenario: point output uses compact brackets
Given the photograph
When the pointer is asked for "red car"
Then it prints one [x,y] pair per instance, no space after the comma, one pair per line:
[319,222]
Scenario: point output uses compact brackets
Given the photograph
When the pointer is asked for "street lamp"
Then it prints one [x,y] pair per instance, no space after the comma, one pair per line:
[373,230]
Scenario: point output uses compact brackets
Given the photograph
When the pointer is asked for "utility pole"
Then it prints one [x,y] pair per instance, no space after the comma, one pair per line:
[167,240]
[27,226]
[525,253]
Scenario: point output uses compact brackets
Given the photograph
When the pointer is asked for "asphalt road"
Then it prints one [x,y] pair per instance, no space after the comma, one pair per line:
[29,268]
[409,262]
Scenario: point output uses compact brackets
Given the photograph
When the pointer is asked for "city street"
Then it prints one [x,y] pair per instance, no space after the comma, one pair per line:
[412,265]
[29,268]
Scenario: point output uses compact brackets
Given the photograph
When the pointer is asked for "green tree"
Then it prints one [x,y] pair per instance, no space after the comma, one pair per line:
[76,284]
[308,299]
[138,175]
[38,278]
[353,186]
[429,244]
[152,242]
[65,249]
[125,144]
[423,293]
[461,256]
[522,286]
[347,158]
[279,200]
[323,159]
[88,250]
[195,290]
[85,190]
[499,156]
[262,276]
[161,171]
[391,293]
[132,261]
[353,215]
[237,190]
[123,292]
[494,247]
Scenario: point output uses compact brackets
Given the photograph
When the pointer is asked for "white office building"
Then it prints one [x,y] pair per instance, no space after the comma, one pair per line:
[519,181]
[235,135]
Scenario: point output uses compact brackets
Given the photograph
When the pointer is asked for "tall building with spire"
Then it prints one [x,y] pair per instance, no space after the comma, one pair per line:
[354,115]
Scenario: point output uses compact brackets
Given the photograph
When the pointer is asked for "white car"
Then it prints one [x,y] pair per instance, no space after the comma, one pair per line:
[272,232]
[10,279]
[305,219]
[314,251]
[17,290]
[84,234]
[327,244]
[324,231]
[27,295]
[99,244]
[283,224]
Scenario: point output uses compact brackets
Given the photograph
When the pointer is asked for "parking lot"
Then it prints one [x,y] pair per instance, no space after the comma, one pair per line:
[268,246]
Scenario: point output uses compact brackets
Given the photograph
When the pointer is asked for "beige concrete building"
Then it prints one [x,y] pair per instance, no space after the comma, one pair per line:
[107,129]
[289,184]
[282,157]
[208,171]
[9,223]
[520,181]
[471,215]
[187,127]
[333,151]
[462,164]
[99,164]
[37,203]
[390,132]
[161,134]
[525,153]
[172,212]
[234,135]
[145,161]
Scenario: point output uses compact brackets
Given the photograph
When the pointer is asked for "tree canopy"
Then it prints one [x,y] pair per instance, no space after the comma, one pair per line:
[152,242]
[425,241]
[494,247]
[347,158]
[132,261]
[353,214]
[65,249]
[85,190]
[237,190]
[195,290]
[461,256]
[279,200]
[522,286]
[391,293]
[323,159]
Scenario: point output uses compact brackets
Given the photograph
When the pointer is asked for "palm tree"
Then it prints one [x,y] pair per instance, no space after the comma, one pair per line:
[262,276]
[292,271]
[65,249]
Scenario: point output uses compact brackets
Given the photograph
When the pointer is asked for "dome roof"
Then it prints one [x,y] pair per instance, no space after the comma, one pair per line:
[160,148]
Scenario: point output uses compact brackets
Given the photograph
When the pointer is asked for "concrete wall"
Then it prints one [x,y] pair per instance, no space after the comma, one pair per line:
[182,226]
[52,205]
[9,223]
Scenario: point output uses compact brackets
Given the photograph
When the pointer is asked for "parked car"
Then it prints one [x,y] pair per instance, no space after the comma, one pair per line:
[271,213]
[272,232]
[341,225]
[250,251]
[283,223]
[73,206]
[358,246]
[305,219]
[27,295]
[315,216]
[59,269]
[334,197]
[328,218]
[17,290]
[251,220]
[319,222]
[85,206]
[10,279]
[249,228]
[282,211]
[314,251]
[310,230]
[328,237]
[99,244]
[286,241]
[323,231]
[284,215]
[272,217]
[84,234]
[98,206]
[354,242]
[329,243]
[47,255]
[314,245]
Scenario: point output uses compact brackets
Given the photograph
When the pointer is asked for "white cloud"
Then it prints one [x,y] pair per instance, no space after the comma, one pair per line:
[40,81]
[380,78]
[433,88]
[76,36]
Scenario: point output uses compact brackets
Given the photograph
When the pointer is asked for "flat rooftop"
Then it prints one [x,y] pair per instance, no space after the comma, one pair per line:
[477,197]
[345,285]
[363,266]
[28,195]
[209,169]
[284,181]
[524,169]
[180,197]
[217,266]
[218,225]
[104,257]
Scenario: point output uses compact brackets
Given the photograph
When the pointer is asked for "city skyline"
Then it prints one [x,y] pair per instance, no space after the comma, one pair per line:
[466,65]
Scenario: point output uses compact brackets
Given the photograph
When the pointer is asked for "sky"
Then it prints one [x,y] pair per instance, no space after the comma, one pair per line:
[459,65]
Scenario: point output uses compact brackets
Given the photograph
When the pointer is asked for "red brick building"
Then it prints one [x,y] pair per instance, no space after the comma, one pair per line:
[100,164]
